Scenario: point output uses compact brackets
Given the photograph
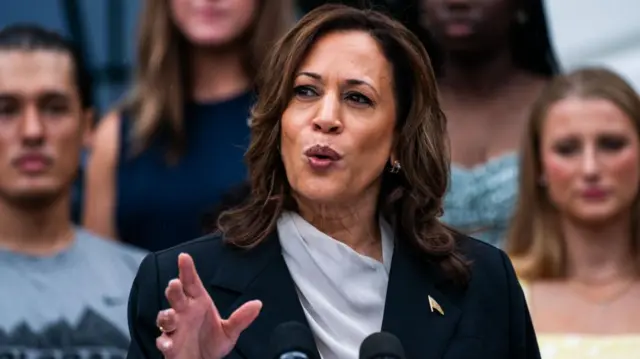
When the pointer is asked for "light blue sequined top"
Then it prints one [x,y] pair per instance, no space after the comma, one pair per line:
[480,201]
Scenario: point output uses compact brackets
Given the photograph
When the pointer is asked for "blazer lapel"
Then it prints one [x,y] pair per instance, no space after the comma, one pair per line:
[424,333]
[260,273]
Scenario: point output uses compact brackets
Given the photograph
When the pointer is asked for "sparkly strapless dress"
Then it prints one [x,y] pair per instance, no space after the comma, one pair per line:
[481,200]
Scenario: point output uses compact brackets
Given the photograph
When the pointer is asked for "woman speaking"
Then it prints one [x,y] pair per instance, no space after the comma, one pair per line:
[348,166]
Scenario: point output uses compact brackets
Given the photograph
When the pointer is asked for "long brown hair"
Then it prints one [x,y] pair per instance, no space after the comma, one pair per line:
[159,91]
[412,199]
[535,241]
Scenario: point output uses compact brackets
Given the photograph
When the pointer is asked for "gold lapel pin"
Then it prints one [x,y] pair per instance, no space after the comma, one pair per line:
[433,305]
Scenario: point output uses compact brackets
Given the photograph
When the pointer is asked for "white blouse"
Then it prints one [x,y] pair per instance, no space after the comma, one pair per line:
[341,291]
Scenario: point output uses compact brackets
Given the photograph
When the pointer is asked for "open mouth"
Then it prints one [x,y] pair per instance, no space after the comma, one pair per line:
[322,157]
[323,153]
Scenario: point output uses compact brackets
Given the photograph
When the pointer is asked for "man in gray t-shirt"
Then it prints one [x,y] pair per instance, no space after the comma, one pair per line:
[72,304]
[63,291]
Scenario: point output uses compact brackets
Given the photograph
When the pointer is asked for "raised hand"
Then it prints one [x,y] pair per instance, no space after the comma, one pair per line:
[192,328]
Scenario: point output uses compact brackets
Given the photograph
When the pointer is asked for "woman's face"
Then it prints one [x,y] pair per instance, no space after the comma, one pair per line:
[468,25]
[338,129]
[590,159]
[213,23]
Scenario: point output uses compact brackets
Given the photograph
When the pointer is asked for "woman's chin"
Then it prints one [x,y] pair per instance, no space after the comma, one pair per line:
[322,193]
[599,213]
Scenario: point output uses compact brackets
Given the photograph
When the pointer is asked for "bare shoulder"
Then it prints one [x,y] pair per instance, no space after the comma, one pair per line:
[107,137]
[100,177]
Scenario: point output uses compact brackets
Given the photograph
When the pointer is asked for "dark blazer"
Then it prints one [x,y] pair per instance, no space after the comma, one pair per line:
[487,320]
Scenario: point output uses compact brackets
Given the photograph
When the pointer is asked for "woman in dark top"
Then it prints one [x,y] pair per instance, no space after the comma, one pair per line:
[157,204]
[492,59]
[163,159]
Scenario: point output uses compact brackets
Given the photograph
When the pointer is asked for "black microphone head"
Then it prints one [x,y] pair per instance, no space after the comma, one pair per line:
[381,345]
[290,338]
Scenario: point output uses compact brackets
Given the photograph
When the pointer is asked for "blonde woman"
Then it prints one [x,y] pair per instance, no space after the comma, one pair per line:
[164,158]
[575,239]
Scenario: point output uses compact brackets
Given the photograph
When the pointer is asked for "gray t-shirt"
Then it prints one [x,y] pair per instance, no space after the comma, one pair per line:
[72,305]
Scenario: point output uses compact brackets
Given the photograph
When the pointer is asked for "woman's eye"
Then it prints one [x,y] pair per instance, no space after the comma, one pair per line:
[358,98]
[304,91]
[612,143]
[566,149]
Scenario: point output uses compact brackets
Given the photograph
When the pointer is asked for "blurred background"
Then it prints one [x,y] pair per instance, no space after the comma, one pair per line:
[583,32]
[140,201]
[106,30]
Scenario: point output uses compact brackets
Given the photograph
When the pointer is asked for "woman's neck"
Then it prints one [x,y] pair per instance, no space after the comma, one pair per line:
[477,76]
[355,224]
[217,74]
[599,254]
[36,231]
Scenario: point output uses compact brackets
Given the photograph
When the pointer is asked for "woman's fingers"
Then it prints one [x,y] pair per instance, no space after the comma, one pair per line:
[167,321]
[188,291]
[189,277]
[241,319]
[164,343]
[176,296]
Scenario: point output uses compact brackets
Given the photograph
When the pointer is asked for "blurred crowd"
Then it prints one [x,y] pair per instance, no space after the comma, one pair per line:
[544,165]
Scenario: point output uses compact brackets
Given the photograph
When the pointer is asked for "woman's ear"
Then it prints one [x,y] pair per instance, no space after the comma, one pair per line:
[394,146]
[393,159]
[394,164]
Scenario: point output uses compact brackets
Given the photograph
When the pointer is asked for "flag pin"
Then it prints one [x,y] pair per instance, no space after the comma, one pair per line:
[435,306]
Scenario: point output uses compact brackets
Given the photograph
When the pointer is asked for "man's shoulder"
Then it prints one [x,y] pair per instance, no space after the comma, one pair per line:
[109,248]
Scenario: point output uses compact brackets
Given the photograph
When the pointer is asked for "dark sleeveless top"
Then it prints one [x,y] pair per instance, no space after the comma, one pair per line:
[160,205]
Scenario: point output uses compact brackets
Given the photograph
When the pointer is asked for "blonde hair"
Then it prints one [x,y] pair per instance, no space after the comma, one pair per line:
[535,241]
[158,95]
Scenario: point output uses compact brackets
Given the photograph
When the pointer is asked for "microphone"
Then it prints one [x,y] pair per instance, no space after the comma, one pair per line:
[381,345]
[292,340]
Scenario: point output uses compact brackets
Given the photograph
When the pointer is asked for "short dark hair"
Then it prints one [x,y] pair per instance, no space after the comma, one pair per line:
[35,37]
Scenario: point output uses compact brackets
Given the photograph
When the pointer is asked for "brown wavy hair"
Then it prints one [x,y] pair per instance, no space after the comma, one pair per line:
[534,241]
[410,200]
[157,99]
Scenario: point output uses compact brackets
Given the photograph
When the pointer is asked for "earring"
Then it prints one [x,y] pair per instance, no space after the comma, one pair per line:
[396,167]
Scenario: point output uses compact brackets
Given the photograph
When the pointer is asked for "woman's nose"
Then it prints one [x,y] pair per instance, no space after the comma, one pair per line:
[328,119]
[590,164]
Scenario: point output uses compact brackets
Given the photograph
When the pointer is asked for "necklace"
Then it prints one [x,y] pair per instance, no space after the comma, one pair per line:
[586,290]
